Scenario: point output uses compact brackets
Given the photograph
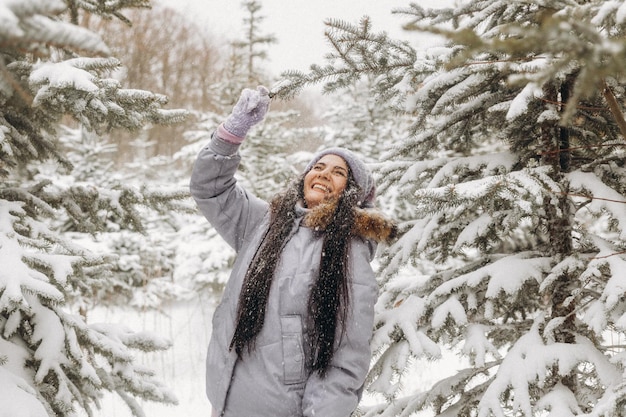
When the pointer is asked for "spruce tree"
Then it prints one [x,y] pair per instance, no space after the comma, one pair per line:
[51,72]
[514,166]
[254,43]
[143,261]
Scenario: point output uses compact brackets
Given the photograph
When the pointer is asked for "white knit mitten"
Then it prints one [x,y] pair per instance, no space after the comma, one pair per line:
[249,110]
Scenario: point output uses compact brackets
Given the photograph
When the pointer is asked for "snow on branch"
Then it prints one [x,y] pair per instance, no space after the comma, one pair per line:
[610,305]
[531,359]
[507,274]
[16,276]
[612,201]
[11,12]
[63,34]
[29,25]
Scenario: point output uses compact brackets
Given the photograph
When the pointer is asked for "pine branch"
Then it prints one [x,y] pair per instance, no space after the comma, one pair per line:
[358,53]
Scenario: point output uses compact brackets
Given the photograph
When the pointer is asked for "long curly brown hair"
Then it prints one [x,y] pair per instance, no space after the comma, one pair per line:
[329,299]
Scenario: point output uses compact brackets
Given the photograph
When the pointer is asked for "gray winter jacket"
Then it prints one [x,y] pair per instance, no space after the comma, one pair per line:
[275,378]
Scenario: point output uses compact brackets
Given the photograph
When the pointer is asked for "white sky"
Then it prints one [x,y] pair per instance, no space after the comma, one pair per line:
[298,24]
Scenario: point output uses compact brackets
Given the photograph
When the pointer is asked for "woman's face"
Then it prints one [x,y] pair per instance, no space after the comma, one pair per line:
[328,178]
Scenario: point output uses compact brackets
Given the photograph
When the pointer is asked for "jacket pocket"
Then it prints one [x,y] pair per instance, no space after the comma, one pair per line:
[293,352]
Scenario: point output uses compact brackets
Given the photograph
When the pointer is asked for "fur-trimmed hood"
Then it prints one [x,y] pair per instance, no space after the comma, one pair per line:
[369,223]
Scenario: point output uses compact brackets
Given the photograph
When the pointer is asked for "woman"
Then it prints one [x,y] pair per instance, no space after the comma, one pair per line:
[291,333]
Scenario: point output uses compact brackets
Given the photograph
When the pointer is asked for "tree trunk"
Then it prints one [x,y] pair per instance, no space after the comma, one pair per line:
[556,143]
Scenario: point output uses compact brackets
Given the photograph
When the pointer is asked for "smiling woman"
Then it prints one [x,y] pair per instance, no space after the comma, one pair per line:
[291,333]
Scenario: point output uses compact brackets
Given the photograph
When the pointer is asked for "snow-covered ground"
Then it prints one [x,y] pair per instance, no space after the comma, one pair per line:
[188,326]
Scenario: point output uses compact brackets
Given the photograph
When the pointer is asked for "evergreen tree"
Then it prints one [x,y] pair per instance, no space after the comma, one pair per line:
[515,170]
[242,68]
[51,70]
[254,43]
[143,262]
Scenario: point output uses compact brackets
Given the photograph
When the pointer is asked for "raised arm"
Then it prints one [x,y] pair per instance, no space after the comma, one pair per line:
[230,209]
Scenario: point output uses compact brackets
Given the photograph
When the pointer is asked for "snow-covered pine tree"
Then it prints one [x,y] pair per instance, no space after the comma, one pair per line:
[515,168]
[254,43]
[52,363]
[243,68]
[144,262]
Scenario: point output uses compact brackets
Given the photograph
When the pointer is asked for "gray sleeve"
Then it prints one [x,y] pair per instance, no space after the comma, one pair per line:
[339,393]
[230,209]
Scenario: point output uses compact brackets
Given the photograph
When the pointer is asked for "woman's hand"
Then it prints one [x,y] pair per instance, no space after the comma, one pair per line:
[249,110]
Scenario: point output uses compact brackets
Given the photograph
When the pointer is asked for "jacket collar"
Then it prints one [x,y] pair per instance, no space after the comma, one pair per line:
[369,223]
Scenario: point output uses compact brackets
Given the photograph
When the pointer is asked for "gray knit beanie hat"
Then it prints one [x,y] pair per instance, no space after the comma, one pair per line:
[360,172]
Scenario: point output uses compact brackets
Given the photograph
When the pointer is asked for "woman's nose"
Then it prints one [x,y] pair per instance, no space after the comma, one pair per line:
[324,173]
